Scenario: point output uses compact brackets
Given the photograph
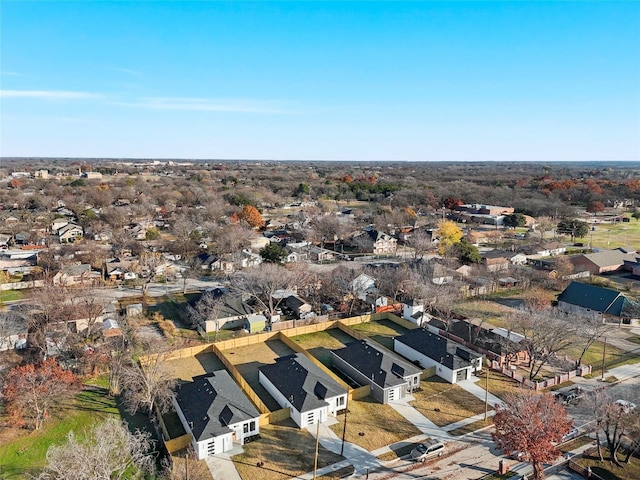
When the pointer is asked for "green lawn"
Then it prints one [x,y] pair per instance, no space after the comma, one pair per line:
[608,470]
[23,454]
[608,235]
[10,295]
[319,344]
[613,357]
[634,339]
[382,331]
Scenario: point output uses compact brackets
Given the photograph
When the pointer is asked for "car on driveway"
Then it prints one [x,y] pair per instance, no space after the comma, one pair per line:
[428,449]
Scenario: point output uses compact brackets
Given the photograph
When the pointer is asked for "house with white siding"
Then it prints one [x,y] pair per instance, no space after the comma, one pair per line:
[296,382]
[453,361]
[216,413]
[390,377]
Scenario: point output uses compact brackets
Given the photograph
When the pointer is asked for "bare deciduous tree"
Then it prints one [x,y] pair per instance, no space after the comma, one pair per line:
[147,386]
[546,334]
[613,420]
[108,451]
[262,282]
[421,242]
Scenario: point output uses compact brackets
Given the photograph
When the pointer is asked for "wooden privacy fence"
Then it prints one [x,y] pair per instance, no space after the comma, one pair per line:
[176,444]
[244,385]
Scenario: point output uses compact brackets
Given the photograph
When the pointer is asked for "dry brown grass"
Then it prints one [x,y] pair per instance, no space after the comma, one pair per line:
[380,425]
[319,345]
[499,385]
[263,353]
[286,450]
[472,427]
[444,403]
[186,368]
[249,358]
[486,310]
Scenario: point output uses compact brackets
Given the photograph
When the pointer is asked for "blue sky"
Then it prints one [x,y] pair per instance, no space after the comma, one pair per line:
[415,81]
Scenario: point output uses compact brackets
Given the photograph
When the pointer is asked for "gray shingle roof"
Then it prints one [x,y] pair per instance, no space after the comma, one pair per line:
[212,402]
[383,368]
[443,351]
[302,382]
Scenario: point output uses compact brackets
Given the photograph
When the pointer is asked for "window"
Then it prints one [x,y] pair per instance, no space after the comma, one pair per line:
[249,427]
[416,380]
[340,401]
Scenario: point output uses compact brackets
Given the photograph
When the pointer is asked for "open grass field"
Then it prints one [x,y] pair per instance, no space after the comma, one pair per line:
[379,424]
[444,403]
[320,344]
[22,453]
[185,369]
[249,358]
[382,331]
[285,450]
[613,235]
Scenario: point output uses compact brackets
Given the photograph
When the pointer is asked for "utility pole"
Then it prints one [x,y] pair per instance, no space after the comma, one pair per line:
[486,393]
[344,428]
[315,459]
[604,352]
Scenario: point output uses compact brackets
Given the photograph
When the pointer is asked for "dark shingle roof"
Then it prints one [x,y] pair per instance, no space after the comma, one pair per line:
[212,402]
[593,297]
[302,382]
[443,351]
[383,368]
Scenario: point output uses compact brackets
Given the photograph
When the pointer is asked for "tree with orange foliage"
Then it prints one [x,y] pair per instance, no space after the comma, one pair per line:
[251,215]
[31,391]
[531,425]
[452,202]
[595,207]
[347,178]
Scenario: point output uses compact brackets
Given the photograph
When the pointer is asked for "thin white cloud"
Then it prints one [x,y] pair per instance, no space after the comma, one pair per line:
[208,105]
[49,94]
[128,71]
[11,74]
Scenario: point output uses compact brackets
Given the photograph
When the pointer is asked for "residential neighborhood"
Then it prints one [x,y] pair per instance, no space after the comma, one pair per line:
[232,335]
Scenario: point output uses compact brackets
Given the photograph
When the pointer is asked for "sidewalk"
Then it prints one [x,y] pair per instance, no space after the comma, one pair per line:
[421,422]
[361,459]
[476,390]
